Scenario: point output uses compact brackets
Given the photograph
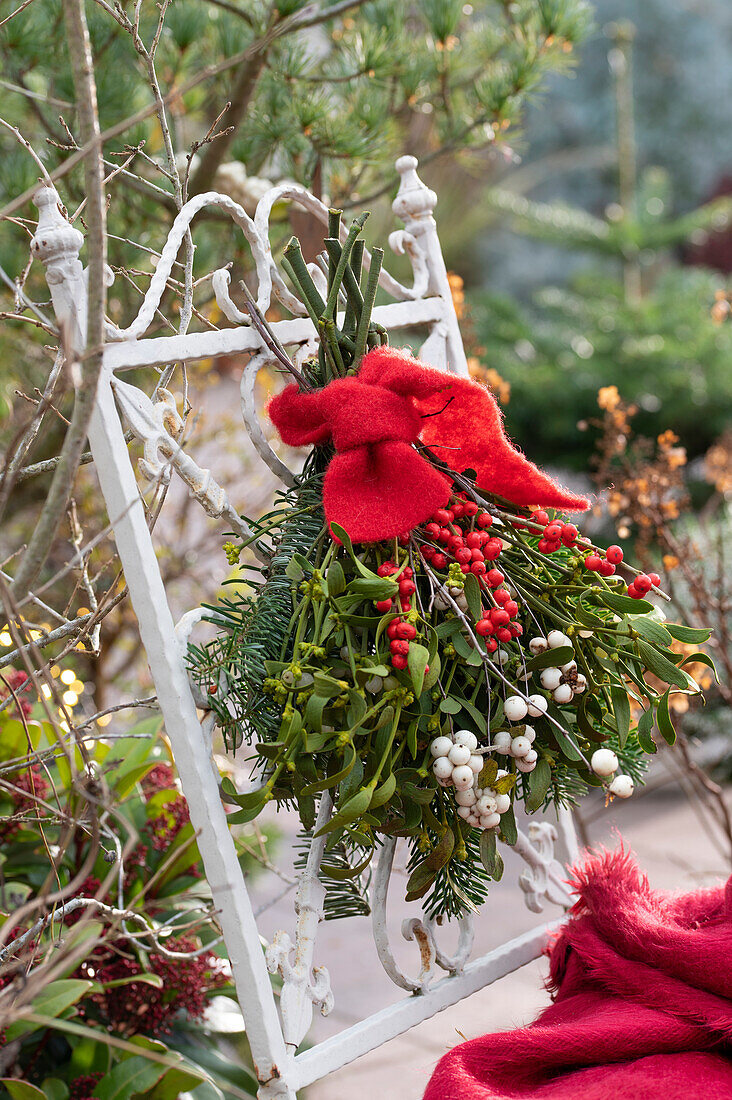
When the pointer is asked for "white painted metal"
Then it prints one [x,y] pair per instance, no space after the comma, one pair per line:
[273,1038]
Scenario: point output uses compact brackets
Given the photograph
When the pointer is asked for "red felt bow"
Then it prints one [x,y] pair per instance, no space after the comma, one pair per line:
[378,486]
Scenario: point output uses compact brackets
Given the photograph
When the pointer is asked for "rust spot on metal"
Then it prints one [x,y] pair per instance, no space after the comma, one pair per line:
[425,949]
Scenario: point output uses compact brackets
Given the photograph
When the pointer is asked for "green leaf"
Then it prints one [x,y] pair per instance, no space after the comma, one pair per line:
[21,1090]
[440,854]
[663,720]
[498,870]
[384,792]
[539,782]
[420,881]
[626,605]
[417,661]
[505,784]
[353,809]
[509,831]
[488,773]
[661,667]
[701,659]
[621,710]
[472,595]
[135,1075]
[688,634]
[373,588]
[552,658]
[643,732]
[54,1089]
[450,705]
[294,571]
[652,631]
[488,851]
[56,998]
[335,779]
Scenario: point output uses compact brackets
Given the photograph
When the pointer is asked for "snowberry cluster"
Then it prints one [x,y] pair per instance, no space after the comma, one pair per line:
[470,548]
[457,765]
[563,681]
[517,745]
[456,762]
[605,763]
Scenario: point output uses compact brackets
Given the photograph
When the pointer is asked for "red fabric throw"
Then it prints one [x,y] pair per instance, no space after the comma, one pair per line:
[377,486]
[642,1006]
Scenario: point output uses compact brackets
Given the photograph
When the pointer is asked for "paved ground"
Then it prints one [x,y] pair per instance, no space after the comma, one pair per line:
[670,844]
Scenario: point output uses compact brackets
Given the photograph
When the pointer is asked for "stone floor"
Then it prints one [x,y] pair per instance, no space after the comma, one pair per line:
[671,845]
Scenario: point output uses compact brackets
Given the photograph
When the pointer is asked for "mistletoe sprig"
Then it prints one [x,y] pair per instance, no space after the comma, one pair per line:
[491,655]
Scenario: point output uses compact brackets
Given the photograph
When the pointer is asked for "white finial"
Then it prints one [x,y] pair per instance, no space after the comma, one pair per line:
[414,200]
[57,244]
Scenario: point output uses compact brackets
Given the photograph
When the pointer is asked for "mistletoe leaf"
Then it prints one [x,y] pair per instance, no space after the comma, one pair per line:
[661,667]
[509,831]
[417,661]
[690,635]
[643,732]
[701,659]
[663,720]
[472,595]
[539,782]
[488,850]
[625,605]
[621,710]
[336,579]
[652,631]
[552,658]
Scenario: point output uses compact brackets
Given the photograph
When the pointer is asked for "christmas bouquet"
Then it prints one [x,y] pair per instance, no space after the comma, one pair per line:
[431,640]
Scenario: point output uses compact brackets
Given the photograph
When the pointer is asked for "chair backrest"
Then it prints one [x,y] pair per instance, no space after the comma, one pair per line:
[443,979]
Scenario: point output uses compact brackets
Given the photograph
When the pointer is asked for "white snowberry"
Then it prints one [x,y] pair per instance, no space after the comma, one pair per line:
[585,633]
[531,757]
[486,804]
[556,638]
[562,694]
[490,820]
[538,645]
[465,737]
[463,777]
[580,684]
[551,678]
[442,768]
[604,762]
[520,746]
[537,706]
[441,746]
[622,786]
[525,766]
[464,811]
[503,803]
[530,733]
[476,764]
[515,708]
[458,755]
[465,798]
[502,741]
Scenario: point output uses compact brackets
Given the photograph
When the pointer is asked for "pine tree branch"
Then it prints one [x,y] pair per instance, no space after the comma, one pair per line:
[57,500]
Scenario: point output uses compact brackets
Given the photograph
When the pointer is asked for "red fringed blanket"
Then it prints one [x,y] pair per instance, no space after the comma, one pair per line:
[642,1007]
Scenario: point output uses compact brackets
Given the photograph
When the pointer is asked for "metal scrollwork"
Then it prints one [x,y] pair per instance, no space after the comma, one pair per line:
[545,878]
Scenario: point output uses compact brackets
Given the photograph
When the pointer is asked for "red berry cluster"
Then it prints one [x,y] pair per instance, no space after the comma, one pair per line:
[20,684]
[399,632]
[556,533]
[643,584]
[498,624]
[606,565]
[82,1088]
[470,545]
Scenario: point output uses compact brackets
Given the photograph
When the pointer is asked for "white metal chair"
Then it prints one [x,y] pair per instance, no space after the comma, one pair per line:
[274,1036]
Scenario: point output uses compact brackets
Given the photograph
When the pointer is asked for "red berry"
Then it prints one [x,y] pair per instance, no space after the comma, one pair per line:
[484,627]
[382,606]
[405,603]
[655,579]
[491,645]
[439,561]
[478,567]
[516,629]
[443,516]
[569,534]
[398,661]
[458,510]
[492,549]
[540,517]
[408,572]
[407,587]
[406,631]
[464,555]
[499,617]
[476,554]
[546,547]
[432,529]
[470,508]
[643,584]
[456,541]
[386,569]
[593,563]
[473,539]
[465,568]
[606,569]
[502,595]
[399,645]
[485,519]
[392,628]
[504,634]
[445,535]
[634,593]
[553,532]
[614,554]
[512,608]
[495,577]
[404,539]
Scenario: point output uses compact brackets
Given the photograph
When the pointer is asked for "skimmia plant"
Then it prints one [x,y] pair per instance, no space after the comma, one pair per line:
[425,681]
